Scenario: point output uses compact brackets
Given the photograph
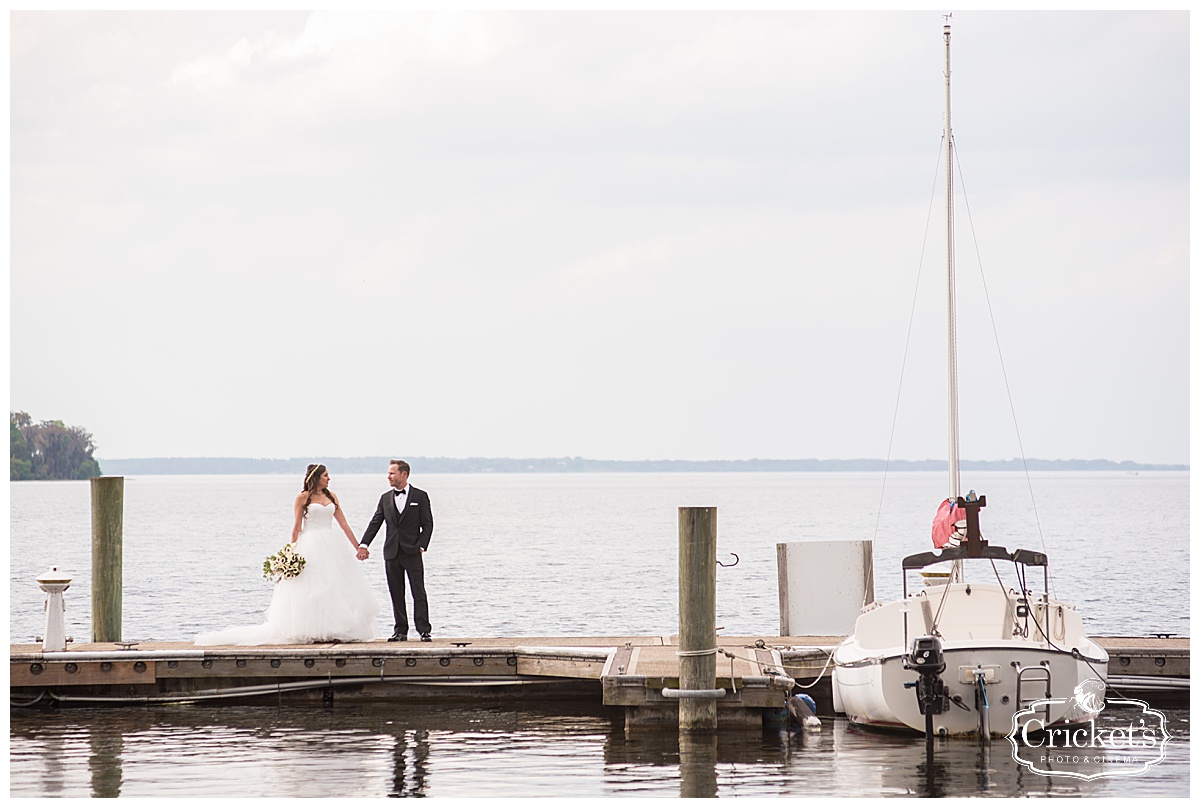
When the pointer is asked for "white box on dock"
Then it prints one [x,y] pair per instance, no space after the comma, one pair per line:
[823,586]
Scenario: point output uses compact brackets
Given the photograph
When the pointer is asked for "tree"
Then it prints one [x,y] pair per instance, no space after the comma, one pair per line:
[50,450]
[20,456]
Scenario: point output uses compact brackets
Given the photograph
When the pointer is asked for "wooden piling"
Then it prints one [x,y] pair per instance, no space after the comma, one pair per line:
[108,524]
[697,616]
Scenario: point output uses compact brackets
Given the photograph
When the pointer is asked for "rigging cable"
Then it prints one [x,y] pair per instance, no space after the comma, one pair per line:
[1003,589]
[1003,370]
[912,316]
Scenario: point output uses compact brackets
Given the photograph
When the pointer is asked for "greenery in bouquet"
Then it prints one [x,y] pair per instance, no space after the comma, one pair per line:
[287,563]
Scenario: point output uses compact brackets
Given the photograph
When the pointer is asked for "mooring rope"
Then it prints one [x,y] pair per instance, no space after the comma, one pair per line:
[819,675]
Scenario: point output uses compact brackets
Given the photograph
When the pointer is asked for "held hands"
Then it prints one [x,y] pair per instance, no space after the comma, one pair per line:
[363,552]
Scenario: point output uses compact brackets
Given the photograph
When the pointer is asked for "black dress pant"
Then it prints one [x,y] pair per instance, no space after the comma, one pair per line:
[412,566]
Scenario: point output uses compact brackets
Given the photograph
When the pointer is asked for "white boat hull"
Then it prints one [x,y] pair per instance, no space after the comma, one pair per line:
[875,695]
[869,680]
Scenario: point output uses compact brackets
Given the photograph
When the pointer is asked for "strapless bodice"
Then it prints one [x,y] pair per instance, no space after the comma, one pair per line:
[319,516]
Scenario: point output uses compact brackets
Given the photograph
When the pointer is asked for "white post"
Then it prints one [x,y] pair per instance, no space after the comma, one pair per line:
[54,583]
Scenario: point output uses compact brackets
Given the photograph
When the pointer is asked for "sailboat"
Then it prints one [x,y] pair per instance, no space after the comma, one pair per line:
[960,657]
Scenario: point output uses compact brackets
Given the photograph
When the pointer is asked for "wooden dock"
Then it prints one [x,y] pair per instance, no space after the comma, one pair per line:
[627,673]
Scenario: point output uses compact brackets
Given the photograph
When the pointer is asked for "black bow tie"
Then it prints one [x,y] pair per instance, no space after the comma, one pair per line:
[398,491]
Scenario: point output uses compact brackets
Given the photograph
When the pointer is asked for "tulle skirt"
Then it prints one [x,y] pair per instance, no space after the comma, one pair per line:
[331,599]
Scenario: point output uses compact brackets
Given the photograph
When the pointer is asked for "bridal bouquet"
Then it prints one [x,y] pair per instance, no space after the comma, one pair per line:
[287,563]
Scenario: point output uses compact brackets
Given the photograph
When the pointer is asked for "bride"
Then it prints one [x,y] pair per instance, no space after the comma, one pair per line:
[331,599]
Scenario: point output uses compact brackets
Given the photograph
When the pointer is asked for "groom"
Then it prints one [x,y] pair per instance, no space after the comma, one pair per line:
[409,528]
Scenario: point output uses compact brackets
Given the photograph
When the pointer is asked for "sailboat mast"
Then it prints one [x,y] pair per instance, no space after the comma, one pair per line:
[951,320]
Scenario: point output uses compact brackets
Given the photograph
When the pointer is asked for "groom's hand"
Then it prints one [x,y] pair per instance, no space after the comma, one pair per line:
[363,552]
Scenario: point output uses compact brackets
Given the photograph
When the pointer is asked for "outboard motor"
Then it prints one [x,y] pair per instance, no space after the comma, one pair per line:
[932,696]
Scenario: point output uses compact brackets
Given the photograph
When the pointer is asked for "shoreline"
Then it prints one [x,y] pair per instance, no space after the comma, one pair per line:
[578,465]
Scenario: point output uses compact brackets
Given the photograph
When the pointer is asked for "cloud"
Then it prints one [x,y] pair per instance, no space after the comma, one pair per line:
[565,215]
[216,72]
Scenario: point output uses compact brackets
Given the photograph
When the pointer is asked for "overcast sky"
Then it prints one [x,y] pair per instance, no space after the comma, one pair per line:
[611,235]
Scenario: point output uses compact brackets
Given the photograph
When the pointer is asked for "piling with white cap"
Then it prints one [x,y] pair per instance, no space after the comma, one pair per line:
[54,583]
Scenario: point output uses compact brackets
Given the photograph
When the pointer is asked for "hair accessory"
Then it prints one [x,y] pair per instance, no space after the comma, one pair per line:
[308,476]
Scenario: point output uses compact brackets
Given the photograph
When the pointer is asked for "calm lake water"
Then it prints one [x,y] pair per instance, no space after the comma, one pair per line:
[355,751]
[546,555]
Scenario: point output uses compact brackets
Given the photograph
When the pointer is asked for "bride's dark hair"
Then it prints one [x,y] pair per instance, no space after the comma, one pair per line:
[312,483]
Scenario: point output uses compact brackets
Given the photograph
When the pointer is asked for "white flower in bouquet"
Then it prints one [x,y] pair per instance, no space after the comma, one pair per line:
[287,563]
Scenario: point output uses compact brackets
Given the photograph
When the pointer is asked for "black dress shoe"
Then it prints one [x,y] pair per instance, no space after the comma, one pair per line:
[398,638]
[426,638]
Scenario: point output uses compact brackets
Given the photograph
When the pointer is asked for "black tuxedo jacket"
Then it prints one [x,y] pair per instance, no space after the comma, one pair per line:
[407,532]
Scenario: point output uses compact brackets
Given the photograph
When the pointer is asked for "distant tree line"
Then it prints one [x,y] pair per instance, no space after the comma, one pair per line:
[50,450]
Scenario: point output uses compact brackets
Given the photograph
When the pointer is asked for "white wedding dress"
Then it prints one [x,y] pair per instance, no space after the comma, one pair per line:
[331,599]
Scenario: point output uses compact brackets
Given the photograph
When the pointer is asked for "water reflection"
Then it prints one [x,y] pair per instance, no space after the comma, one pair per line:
[936,777]
[697,764]
[410,759]
[104,763]
[406,750]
